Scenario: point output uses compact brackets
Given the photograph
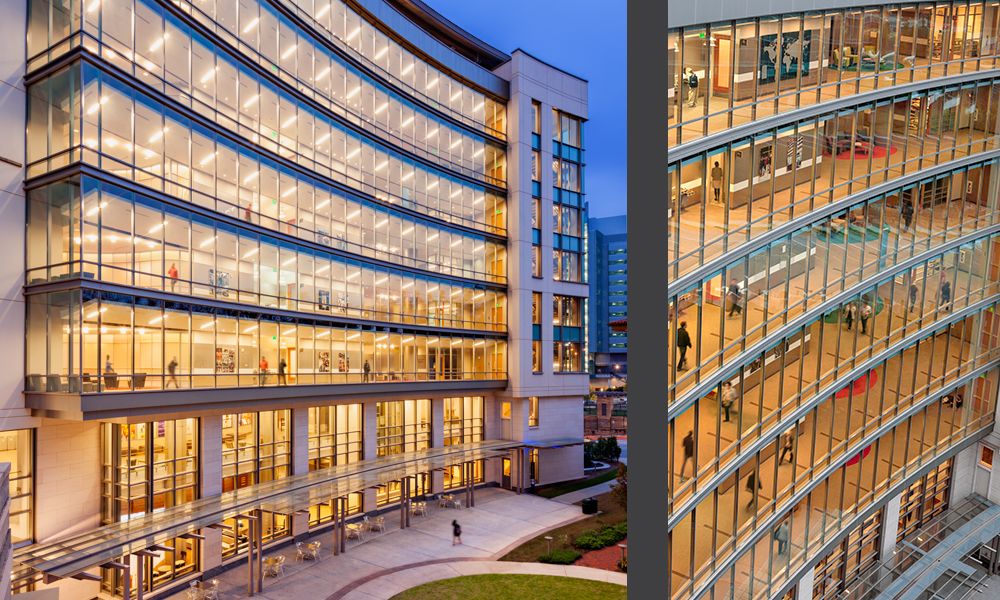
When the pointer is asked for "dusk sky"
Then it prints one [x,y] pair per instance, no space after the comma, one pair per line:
[584,37]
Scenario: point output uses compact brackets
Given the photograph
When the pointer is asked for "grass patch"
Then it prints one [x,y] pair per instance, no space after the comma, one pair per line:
[514,587]
[562,537]
[558,489]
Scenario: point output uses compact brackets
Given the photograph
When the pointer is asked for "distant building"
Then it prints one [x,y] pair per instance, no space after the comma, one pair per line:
[608,265]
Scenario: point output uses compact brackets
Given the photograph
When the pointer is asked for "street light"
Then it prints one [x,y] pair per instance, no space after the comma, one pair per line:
[548,544]
[623,546]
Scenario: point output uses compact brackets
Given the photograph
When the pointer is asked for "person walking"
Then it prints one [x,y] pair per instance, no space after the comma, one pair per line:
[456,532]
[735,298]
[913,296]
[172,372]
[172,274]
[688,444]
[787,440]
[866,313]
[849,315]
[108,367]
[945,295]
[728,397]
[781,536]
[367,368]
[692,81]
[248,212]
[683,343]
[282,366]
[753,486]
[907,212]
[717,182]
[262,369]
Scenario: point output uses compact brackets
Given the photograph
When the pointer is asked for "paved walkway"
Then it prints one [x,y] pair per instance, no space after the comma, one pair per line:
[396,581]
[500,521]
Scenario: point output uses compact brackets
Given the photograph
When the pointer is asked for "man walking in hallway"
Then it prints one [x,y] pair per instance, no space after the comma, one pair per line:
[683,343]
[688,443]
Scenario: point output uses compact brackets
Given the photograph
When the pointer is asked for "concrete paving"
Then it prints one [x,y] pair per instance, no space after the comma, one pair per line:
[500,521]
[394,582]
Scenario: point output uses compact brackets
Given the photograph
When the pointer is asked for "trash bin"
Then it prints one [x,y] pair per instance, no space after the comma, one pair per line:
[589,506]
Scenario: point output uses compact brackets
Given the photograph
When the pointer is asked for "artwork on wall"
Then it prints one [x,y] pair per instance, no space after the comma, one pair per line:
[787,60]
[323,299]
[324,362]
[343,362]
[764,161]
[225,360]
[794,149]
[220,280]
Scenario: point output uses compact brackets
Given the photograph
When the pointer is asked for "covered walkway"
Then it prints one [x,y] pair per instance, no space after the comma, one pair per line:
[77,556]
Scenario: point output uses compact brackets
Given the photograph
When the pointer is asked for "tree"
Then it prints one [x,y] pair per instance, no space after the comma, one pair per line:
[620,491]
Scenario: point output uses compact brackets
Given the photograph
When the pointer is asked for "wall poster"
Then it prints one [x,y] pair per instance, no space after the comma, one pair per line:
[788,60]
[324,361]
[225,360]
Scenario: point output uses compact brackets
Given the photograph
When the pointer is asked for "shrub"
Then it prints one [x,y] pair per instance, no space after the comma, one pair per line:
[596,539]
[560,557]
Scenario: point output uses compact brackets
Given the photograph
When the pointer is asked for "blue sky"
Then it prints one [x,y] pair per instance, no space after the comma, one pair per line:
[584,37]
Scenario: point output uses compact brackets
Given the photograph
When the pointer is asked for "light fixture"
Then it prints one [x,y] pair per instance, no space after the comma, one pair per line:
[407,231]
[456,96]
[251,101]
[456,342]
[289,121]
[208,158]
[250,177]
[432,185]
[208,324]
[433,237]
[431,134]
[353,34]
[158,135]
[382,223]
[354,92]
[158,43]
[253,23]
[479,295]
[323,333]
[407,339]
[322,11]
[323,73]
[381,280]
[289,192]
[455,144]
[323,204]
[432,289]
[456,292]
[381,107]
[381,53]
[407,285]
[382,338]
[208,75]
[407,176]
[250,329]
[323,138]
[480,343]
[456,242]
[207,242]
[353,275]
[289,52]
[479,106]
[288,262]
[354,214]
[354,336]
[406,70]
[432,83]
[406,121]
[456,192]
[477,153]
[323,269]
[382,165]
[353,153]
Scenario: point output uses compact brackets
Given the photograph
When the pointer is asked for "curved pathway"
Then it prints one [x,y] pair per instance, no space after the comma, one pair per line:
[391,582]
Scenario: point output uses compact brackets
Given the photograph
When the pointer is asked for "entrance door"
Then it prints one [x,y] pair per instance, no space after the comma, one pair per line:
[723,68]
[505,474]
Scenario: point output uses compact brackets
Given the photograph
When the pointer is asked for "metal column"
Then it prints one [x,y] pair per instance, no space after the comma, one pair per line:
[259,542]
[343,516]
[336,526]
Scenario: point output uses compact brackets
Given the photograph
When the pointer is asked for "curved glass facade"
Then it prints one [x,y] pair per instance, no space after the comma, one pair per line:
[834,261]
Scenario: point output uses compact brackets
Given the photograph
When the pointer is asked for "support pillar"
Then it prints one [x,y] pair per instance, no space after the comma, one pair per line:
[343,517]
[804,587]
[889,527]
[210,482]
[335,512]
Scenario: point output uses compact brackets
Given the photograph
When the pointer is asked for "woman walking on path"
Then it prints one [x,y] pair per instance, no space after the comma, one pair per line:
[456,533]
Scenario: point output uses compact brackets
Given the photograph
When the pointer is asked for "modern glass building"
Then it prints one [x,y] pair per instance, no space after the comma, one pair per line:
[607,260]
[834,282]
[293,248]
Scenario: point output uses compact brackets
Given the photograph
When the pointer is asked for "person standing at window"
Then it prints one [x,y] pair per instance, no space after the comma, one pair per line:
[172,274]
[282,365]
[262,369]
[367,371]
[172,372]
[688,444]
[692,81]
[728,398]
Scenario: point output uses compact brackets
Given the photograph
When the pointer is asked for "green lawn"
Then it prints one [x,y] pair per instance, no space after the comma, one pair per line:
[558,489]
[502,587]
[611,513]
